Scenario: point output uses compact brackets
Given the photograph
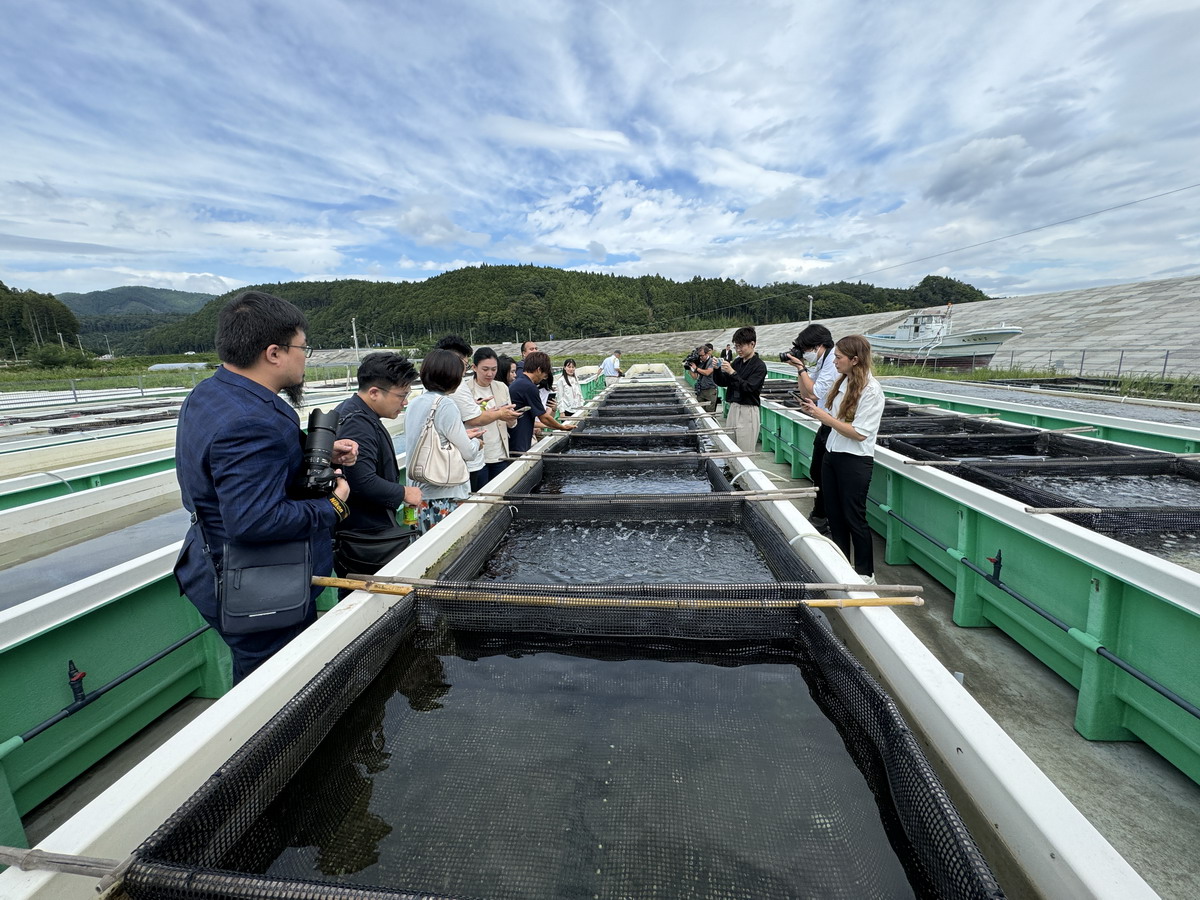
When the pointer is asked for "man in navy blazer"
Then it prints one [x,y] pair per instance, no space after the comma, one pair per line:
[238,451]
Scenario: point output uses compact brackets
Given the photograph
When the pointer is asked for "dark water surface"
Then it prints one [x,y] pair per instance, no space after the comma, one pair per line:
[614,552]
[566,774]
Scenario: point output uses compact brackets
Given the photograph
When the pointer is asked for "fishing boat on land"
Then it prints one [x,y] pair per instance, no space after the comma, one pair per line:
[927,338]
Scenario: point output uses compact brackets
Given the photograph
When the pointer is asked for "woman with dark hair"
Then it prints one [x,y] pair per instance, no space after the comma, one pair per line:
[852,411]
[506,370]
[570,395]
[814,378]
[441,374]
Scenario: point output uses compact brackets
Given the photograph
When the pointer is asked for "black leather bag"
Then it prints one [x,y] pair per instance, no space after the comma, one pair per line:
[262,587]
[365,552]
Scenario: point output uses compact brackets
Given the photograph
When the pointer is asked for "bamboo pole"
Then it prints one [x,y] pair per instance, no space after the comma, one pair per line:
[766,586]
[1059,510]
[483,596]
[1076,429]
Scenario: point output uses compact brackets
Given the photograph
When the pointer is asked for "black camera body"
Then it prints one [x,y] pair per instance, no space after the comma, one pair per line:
[693,359]
[317,478]
[795,351]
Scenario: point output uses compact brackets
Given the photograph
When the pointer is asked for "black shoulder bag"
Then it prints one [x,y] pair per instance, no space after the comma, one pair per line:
[260,587]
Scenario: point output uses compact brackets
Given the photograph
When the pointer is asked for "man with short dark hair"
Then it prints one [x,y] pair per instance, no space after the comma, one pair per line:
[524,392]
[527,347]
[384,382]
[743,380]
[238,453]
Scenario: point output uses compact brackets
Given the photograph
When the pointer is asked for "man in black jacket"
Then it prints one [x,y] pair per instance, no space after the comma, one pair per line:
[384,381]
[743,380]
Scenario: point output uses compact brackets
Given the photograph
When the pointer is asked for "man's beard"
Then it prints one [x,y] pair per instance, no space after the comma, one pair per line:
[294,394]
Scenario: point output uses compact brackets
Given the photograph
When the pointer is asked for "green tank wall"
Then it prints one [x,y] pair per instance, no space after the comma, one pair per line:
[1102,607]
[104,642]
[60,488]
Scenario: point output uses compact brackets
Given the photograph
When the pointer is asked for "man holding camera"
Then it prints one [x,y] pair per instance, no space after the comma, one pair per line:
[702,364]
[812,356]
[238,452]
[384,383]
[743,380]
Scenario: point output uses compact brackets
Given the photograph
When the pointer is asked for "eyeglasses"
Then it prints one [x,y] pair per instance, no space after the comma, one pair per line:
[403,395]
[308,351]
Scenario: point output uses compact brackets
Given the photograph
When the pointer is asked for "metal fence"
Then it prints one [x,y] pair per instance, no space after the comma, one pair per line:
[1156,363]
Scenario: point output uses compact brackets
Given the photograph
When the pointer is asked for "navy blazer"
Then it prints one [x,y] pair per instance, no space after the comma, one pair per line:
[375,489]
[238,449]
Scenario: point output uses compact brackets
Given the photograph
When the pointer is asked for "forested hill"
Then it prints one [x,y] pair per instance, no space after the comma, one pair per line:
[132,300]
[489,304]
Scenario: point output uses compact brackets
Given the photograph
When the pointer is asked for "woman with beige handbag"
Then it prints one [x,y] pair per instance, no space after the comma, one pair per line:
[438,445]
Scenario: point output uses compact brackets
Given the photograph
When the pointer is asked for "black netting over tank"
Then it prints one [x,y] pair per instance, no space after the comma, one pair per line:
[642,411]
[1030,446]
[920,424]
[627,443]
[440,755]
[1113,496]
[615,726]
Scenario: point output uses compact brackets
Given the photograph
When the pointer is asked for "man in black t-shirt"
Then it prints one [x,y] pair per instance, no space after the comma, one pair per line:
[524,393]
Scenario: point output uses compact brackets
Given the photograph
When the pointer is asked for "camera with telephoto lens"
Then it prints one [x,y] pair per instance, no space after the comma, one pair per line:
[795,351]
[317,478]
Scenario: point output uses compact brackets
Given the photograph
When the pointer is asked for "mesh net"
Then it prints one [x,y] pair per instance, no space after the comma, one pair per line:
[939,424]
[1128,495]
[627,443]
[596,738]
[1028,446]
[640,411]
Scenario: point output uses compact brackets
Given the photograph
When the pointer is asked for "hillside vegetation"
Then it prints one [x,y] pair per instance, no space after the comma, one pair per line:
[490,304]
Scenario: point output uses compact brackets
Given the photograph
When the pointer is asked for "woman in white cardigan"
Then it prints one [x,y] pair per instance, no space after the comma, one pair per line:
[441,374]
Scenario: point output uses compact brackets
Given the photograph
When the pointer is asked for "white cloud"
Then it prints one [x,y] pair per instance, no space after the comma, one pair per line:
[766,140]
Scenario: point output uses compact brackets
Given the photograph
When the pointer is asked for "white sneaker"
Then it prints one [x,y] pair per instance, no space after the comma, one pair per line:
[868,579]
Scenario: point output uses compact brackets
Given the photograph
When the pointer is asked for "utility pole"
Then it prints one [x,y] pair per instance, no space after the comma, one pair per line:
[354,331]
[80,340]
[60,340]
[810,309]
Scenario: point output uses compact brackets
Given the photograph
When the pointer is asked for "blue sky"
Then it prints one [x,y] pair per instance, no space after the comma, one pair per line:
[203,146]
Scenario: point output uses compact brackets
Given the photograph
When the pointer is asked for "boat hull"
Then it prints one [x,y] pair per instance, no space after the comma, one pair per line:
[968,349]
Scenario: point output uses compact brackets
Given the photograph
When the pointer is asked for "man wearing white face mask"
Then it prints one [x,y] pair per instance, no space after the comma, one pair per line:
[814,378]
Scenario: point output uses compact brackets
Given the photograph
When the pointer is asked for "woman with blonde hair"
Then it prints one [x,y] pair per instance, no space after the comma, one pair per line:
[854,407]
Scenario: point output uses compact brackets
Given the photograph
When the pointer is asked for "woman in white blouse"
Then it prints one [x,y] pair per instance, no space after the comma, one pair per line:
[853,409]
[570,395]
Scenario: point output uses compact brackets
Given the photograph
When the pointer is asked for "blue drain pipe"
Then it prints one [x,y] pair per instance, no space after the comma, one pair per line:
[1076,634]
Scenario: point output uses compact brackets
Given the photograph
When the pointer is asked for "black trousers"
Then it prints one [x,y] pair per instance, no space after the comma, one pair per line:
[487,473]
[845,478]
[814,470]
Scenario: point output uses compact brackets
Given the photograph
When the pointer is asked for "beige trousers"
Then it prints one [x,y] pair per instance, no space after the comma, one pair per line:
[745,421]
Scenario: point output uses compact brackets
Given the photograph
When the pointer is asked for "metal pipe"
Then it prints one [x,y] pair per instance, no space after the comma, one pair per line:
[104,689]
